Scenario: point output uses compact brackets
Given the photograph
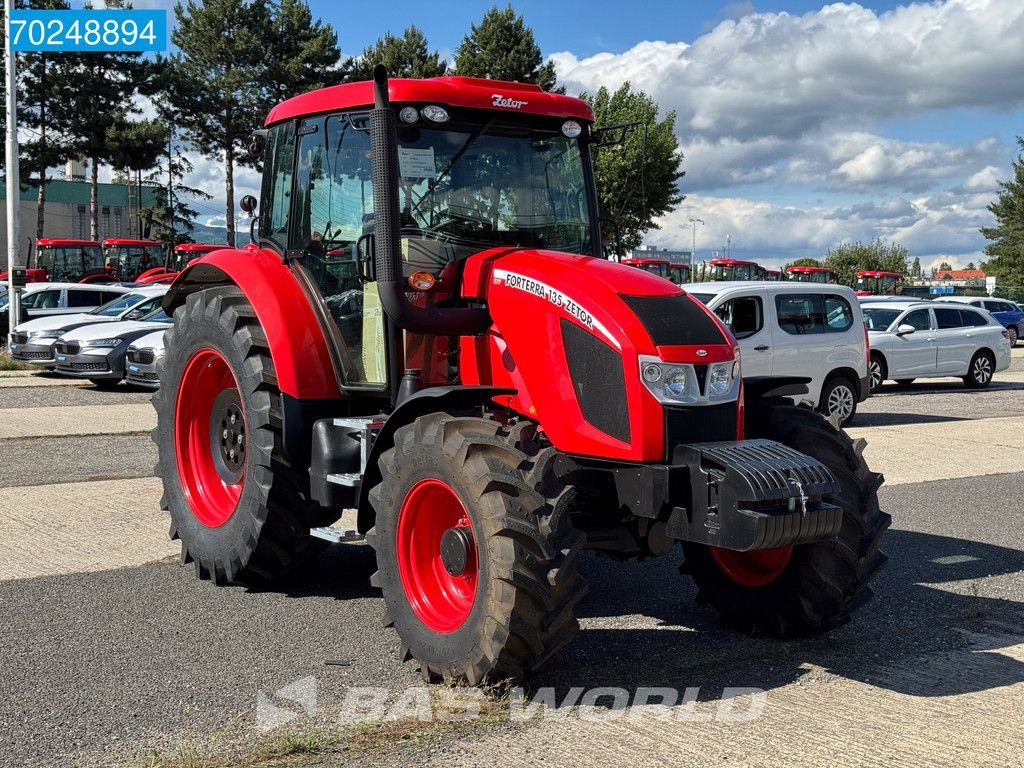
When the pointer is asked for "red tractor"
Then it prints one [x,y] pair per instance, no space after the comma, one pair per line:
[486,391]
[182,256]
[66,261]
[130,259]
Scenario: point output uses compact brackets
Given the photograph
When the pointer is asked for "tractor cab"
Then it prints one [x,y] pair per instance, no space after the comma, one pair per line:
[185,253]
[733,269]
[771,274]
[809,274]
[875,283]
[71,261]
[129,259]
[679,273]
[659,267]
[470,178]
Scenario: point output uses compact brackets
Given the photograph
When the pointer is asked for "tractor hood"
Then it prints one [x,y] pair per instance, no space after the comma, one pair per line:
[571,335]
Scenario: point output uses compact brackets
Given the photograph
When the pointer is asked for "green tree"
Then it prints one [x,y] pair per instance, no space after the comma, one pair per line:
[302,54]
[945,266]
[847,259]
[805,262]
[637,181]
[915,268]
[405,56]
[171,217]
[1006,246]
[136,146]
[970,265]
[502,47]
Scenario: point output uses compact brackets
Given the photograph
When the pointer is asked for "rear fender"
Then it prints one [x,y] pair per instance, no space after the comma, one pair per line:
[302,361]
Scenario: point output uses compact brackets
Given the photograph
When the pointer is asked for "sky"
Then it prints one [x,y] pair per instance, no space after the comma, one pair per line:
[802,125]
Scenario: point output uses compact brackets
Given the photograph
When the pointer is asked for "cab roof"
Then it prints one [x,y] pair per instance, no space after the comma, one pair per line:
[193,247]
[732,263]
[807,269]
[57,242]
[471,92]
[124,241]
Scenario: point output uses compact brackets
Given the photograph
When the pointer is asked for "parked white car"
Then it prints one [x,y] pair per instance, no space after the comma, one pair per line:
[45,299]
[143,359]
[97,352]
[32,341]
[921,339]
[809,330]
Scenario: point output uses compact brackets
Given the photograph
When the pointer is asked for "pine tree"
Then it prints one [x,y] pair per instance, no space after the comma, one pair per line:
[137,146]
[1007,236]
[638,181]
[302,54]
[170,217]
[502,47]
[405,56]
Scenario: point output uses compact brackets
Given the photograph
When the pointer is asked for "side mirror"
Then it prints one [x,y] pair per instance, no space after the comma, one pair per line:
[257,144]
[134,315]
[904,329]
[612,135]
[248,204]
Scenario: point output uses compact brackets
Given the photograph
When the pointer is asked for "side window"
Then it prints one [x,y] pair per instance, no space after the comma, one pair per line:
[838,314]
[800,313]
[277,185]
[919,319]
[948,318]
[996,306]
[41,300]
[972,319]
[84,298]
[744,315]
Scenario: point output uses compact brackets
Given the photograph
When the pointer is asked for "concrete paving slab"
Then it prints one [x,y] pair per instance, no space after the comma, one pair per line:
[47,530]
[943,450]
[30,379]
[76,420]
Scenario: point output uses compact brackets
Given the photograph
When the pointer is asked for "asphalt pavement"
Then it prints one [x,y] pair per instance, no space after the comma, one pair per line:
[114,666]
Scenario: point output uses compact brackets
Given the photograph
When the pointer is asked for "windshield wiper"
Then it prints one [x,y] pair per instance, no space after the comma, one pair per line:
[451,163]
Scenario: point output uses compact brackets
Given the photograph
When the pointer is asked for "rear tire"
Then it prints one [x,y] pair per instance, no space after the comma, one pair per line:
[979,373]
[243,517]
[877,372]
[1012,330]
[839,400]
[511,609]
[814,587]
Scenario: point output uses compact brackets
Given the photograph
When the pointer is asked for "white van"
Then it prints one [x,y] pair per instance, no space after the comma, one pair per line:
[809,330]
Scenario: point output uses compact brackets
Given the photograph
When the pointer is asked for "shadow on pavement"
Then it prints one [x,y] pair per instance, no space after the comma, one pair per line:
[909,618]
[885,419]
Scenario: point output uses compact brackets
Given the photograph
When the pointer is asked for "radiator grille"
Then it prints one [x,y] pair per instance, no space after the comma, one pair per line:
[598,379]
[100,367]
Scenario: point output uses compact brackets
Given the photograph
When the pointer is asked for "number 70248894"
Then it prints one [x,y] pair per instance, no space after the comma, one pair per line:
[89,30]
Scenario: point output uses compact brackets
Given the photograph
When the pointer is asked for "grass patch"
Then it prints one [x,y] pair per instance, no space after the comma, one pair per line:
[7,363]
[296,749]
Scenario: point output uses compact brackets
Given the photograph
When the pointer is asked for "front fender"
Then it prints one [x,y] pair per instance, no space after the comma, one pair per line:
[297,345]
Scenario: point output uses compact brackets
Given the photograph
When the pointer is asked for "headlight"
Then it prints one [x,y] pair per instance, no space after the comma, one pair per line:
[720,378]
[666,381]
[102,343]
[43,336]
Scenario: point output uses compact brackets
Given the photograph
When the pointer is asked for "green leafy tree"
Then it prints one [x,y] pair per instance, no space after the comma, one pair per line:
[136,146]
[170,218]
[970,265]
[502,47]
[805,262]
[405,56]
[638,181]
[847,259]
[945,266]
[915,268]
[1006,246]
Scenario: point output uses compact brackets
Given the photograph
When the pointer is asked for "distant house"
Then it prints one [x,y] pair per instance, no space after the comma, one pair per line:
[959,277]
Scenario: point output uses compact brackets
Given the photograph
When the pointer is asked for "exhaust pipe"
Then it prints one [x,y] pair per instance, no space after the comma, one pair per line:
[461,321]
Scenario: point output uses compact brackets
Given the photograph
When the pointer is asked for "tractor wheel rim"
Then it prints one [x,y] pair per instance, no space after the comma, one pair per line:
[208,398]
[757,568]
[840,402]
[441,600]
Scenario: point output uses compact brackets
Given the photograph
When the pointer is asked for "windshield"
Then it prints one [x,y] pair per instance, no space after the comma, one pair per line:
[463,188]
[69,263]
[879,318]
[118,305]
[130,261]
[733,272]
[159,316]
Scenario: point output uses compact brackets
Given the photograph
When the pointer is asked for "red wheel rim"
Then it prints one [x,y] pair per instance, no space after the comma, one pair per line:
[757,568]
[212,488]
[440,600]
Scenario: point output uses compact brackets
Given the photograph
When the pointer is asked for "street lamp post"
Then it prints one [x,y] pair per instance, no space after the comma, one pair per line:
[13,185]
[693,246]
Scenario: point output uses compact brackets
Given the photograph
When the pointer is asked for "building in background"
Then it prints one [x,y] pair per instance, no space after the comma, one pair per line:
[670,255]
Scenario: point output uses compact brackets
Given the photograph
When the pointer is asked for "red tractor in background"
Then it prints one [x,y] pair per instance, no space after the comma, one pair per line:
[806,274]
[130,259]
[733,269]
[876,283]
[427,333]
[60,260]
[181,257]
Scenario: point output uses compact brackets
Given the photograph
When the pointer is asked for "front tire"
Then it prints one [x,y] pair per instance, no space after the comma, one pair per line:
[979,373]
[805,589]
[475,550]
[235,502]
[877,372]
[1012,330]
[105,384]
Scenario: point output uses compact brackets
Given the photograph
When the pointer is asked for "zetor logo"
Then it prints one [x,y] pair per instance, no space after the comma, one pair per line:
[497,100]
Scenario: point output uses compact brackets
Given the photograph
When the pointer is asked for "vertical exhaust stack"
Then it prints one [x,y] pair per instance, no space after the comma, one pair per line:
[387,227]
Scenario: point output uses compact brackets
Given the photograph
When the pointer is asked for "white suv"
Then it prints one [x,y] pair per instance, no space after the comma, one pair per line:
[924,339]
[797,329]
